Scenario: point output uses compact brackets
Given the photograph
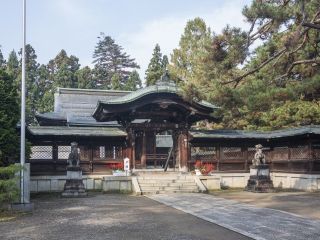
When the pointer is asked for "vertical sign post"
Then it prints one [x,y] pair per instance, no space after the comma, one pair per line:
[126,165]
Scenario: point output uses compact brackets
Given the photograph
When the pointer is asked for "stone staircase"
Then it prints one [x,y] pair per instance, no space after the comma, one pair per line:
[157,183]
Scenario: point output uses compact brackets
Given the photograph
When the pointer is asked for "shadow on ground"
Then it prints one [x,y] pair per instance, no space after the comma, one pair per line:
[109,216]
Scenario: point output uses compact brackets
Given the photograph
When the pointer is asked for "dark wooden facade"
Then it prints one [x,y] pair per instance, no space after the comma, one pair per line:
[292,154]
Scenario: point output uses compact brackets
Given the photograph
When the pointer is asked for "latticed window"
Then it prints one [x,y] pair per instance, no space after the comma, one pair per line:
[102,152]
[231,153]
[63,152]
[107,152]
[41,152]
[252,151]
[316,151]
[84,153]
[280,153]
[203,153]
[299,152]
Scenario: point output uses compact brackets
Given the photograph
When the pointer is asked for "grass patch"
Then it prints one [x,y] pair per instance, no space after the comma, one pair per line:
[7,216]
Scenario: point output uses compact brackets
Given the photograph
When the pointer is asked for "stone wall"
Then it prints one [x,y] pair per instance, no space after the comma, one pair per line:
[111,184]
[56,183]
[304,182]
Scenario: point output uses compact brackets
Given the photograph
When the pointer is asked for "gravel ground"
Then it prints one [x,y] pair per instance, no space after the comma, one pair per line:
[106,216]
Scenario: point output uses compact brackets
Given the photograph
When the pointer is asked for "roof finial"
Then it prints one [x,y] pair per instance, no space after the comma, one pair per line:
[165,79]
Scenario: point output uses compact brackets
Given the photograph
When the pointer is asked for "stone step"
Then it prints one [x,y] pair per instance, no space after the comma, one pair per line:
[169,187]
[166,177]
[167,184]
[167,192]
[165,180]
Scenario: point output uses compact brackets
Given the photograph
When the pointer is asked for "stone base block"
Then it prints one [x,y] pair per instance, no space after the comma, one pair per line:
[260,180]
[260,185]
[74,187]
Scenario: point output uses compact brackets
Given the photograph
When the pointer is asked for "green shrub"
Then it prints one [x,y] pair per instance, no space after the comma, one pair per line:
[9,190]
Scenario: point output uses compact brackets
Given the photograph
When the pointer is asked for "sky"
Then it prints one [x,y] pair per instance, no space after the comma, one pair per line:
[136,25]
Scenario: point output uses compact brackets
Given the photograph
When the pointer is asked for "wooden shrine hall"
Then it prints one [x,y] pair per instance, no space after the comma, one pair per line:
[155,128]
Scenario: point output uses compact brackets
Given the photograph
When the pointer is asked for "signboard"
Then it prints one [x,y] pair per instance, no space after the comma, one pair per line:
[126,164]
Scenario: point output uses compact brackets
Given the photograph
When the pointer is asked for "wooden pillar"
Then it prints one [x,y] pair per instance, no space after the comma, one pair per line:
[218,157]
[245,155]
[90,154]
[310,155]
[175,146]
[183,151]
[130,148]
[144,151]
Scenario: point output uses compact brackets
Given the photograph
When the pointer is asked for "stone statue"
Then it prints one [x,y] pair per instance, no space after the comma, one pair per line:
[74,158]
[259,157]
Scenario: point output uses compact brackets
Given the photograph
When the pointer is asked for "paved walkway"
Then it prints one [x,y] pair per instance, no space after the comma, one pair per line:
[251,221]
[305,204]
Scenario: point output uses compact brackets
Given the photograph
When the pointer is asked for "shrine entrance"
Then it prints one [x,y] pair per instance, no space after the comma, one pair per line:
[157,120]
[153,150]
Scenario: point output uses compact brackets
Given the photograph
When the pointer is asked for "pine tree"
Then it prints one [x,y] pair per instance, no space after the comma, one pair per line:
[134,82]
[110,59]
[155,67]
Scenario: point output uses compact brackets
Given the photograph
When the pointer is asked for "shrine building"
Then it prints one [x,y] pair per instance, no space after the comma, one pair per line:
[155,127]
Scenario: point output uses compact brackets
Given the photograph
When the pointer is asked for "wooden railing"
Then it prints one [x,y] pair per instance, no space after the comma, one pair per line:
[156,159]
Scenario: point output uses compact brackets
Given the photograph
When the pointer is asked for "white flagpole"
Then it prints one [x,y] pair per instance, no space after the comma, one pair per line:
[23,103]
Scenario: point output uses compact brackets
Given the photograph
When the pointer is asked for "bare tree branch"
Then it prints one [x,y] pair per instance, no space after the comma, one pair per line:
[305,61]
[238,79]
[311,25]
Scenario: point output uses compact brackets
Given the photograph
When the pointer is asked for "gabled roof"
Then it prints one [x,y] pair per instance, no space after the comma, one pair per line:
[242,134]
[158,88]
[162,93]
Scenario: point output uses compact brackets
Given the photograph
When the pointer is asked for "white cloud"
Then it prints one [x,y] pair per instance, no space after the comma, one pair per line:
[167,31]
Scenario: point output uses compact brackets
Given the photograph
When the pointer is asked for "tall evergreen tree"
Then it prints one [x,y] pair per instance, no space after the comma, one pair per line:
[63,69]
[13,65]
[134,82]
[85,78]
[155,67]
[110,59]
[188,59]
[2,60]
[32,83]
[116,82]
[45,85]
[9,117]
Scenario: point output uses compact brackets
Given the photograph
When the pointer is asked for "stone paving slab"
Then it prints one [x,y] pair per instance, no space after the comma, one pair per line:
[257,223]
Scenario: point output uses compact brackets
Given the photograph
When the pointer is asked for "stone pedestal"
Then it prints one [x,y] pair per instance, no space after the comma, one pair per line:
[74,186]
[260,180]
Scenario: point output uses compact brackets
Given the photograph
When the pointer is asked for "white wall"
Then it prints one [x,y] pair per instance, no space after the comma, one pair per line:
[56,183]
[305,182]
